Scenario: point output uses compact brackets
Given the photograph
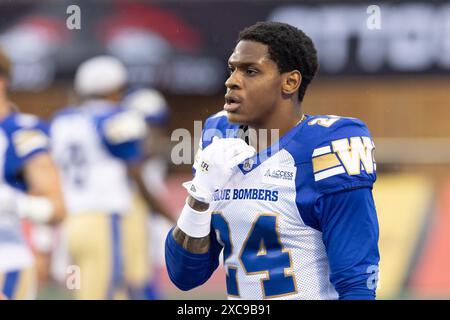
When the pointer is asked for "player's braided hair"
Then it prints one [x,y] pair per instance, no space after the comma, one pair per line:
[289,47]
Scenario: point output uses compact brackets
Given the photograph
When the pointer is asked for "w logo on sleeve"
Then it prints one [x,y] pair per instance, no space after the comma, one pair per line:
[344,156]
[352,155]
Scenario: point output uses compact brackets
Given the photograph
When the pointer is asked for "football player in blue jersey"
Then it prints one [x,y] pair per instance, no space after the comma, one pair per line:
[295,220]
[29,188]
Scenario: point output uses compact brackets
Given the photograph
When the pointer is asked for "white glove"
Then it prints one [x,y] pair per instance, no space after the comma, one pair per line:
[215,165]
[36,208]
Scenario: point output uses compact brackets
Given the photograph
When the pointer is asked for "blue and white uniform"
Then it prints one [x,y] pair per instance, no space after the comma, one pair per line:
[297,221]
[22,137]
[92,145]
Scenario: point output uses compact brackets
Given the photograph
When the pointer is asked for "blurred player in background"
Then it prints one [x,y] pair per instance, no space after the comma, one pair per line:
[98,146]
[29,188]
[153,107]
[296,221]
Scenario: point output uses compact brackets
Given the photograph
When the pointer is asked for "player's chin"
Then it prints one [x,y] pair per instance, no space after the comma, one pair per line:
[237,118]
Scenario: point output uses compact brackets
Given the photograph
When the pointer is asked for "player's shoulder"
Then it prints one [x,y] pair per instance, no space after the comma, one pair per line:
[17,121]
[319,131]
[323,128]
[26,132]
[121,125]
[218,121]
[120,116]
[218,125]
[340,151]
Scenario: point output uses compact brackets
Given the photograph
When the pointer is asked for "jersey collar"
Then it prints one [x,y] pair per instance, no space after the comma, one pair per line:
[252,163]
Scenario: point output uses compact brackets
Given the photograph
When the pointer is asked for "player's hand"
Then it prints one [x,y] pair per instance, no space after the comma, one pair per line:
[215,165]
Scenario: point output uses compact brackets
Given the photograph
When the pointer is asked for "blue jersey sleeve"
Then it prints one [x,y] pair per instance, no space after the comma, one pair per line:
[334,180]
[189,270]
[122,133]
[27,136]
[339,156]
[343,155]
[349,225]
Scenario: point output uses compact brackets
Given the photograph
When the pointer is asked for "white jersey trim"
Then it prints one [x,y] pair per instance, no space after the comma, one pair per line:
[321,151]
[329,173]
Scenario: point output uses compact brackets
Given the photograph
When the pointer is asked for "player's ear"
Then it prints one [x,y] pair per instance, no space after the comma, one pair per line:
[291,82]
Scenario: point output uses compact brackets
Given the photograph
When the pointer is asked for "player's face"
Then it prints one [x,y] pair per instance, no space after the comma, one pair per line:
[254,85]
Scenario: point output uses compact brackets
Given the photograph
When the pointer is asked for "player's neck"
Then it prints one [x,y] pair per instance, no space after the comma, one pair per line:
[264,135]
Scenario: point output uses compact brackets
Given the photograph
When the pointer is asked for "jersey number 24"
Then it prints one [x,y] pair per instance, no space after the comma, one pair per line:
[261,253]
